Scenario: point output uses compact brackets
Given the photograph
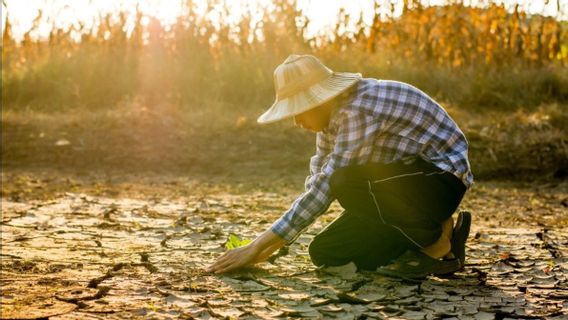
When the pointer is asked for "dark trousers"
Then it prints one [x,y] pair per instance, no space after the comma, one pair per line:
[389,208]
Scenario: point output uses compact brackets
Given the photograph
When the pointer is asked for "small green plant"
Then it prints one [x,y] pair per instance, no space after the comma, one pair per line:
[152,306]
[234,242]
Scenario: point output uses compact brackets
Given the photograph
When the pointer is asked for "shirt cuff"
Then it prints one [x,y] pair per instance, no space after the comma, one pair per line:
[284,230]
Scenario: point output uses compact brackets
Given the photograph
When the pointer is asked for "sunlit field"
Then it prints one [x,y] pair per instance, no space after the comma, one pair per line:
[210,64]
[471,57]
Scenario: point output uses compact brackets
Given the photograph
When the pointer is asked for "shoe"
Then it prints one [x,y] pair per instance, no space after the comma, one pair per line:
[459,236]
[416,265]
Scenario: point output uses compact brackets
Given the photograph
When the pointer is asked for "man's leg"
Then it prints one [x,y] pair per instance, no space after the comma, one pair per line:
[402,206]
[350,238]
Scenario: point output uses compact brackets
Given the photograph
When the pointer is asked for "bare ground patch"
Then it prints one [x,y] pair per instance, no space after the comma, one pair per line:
[127,249]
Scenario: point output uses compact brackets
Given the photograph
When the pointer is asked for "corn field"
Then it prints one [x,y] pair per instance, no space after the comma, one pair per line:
[473,57]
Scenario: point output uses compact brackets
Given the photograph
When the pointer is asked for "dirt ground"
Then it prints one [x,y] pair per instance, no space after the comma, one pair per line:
[134,247]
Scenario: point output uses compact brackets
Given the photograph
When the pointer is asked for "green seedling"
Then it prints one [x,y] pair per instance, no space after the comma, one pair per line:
[152,307]
[235,242]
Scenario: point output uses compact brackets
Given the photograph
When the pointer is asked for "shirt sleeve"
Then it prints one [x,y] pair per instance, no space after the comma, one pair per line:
[324,147]
[317,196]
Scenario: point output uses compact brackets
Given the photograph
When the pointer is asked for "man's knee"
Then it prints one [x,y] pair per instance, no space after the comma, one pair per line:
[315,252]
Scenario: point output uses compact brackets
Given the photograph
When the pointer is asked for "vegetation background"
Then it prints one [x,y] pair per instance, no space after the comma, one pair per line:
[184,99]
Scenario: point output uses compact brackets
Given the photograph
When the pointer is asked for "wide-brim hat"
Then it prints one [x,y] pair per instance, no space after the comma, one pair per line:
[302,83]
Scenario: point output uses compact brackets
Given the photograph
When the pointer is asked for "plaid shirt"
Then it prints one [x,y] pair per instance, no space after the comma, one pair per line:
[380,122]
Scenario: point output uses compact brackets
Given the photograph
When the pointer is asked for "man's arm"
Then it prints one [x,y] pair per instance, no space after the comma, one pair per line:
[324,147]
[268,242]
[307,207]
[347,143]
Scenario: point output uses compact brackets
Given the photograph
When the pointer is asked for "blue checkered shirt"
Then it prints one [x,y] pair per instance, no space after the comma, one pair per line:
[380,122]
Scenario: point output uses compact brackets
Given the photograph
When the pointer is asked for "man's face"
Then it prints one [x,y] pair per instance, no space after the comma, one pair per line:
[315,119]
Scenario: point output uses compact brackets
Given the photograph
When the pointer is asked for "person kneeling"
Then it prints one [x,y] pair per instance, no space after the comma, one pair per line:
[393,158]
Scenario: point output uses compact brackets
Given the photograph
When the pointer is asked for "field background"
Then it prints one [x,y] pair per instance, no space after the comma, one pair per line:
[131,95]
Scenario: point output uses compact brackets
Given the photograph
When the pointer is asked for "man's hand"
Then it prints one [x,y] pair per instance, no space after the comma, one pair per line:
[234,259]
[258,250]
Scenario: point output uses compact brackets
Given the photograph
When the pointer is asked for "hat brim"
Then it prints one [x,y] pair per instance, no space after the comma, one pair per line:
[310,98]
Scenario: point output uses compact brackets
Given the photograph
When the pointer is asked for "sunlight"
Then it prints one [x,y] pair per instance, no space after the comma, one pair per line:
[73,13]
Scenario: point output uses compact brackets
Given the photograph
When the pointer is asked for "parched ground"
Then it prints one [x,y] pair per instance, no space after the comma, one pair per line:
[136,248]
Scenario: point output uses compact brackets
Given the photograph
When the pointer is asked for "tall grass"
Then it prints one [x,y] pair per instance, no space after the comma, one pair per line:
[472,57]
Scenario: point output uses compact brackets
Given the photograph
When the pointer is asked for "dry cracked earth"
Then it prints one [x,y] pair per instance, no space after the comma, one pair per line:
[88,254]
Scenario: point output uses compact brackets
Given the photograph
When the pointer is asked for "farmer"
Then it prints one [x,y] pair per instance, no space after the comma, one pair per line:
[393,158]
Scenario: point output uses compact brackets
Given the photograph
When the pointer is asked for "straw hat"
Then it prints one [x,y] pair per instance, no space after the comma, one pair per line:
[302,83]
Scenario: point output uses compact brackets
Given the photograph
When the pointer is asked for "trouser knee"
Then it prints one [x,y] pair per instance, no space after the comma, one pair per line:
[317,255]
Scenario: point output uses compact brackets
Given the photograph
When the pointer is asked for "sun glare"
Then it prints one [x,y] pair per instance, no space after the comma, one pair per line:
[73,13]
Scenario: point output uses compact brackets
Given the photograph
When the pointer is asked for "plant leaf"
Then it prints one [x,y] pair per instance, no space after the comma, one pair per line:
[235,242]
